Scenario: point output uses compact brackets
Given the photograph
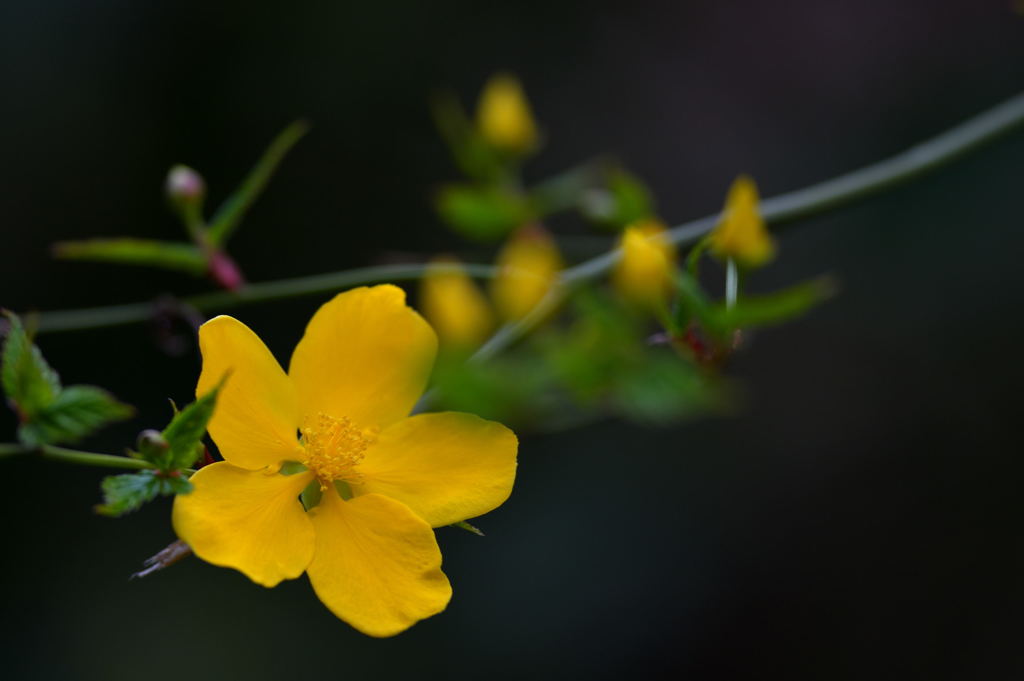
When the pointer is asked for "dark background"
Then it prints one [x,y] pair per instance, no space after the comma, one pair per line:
[859,519]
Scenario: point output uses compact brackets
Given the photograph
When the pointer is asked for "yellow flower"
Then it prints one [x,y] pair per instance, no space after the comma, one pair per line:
[386,478]
[503,115]
[643,274]
[528,267]
[742,234]
[455,306]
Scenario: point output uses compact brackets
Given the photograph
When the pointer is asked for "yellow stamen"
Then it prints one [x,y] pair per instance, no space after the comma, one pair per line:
[333,448]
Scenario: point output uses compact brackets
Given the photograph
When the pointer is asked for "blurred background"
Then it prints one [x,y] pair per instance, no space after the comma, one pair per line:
[859,517]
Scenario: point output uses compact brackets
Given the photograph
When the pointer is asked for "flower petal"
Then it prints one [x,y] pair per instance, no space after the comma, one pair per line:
[255,422]
[251,521]
[446,467]
[365,356]
[377,565]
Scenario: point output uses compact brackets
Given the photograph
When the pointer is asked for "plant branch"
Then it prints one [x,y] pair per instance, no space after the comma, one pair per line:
[75,456]
[908,165]
[118,315]
[903,167]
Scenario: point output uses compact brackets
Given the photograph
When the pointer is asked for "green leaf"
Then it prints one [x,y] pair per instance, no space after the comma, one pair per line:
[169,255]
[588,354]
[463,525]
[482,213]
[471,153]
[605,364]
[27,379]
[176,484]
[185,432]
[125,493]
[514,388]
[128,492]
[231,212]
[774,308]
[77,411]
[49,413]
[663,388]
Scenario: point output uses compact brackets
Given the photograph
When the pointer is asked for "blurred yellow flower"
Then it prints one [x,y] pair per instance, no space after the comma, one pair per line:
[455,306]
[742,234]
[528,267]
[384,477]
[503,115]
[643,274]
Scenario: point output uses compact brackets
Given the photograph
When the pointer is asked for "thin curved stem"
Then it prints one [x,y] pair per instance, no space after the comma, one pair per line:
[788,207]
[818,198]
[119,315]
[75,456]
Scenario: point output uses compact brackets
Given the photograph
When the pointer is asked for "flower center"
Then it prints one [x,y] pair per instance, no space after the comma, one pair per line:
[333,448]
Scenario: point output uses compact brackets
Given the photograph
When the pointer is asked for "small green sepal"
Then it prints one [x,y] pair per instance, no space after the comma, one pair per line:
[463,525]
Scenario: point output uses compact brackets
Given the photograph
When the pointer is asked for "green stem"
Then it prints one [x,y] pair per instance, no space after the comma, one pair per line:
[75,456]
[693,259]
[195,226]
[802,203]
[118,315]
[818,198]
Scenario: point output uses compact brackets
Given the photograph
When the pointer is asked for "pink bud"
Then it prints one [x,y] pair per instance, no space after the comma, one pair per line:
[184,185]
[225,271]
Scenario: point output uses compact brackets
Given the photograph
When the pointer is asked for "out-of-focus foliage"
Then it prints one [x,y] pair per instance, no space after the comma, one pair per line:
[490,151]
[483,212]
[649,350]
[595,363]
[719,321]
[47,411]
[609,361]
[624,199]
[168,255]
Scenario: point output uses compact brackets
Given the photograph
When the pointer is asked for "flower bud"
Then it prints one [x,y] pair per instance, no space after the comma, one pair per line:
[184,186]
[151,444]
[224,270]
[455,306]
[503,116]
[741,234]
[151,436]
[643,274]
[528,267]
